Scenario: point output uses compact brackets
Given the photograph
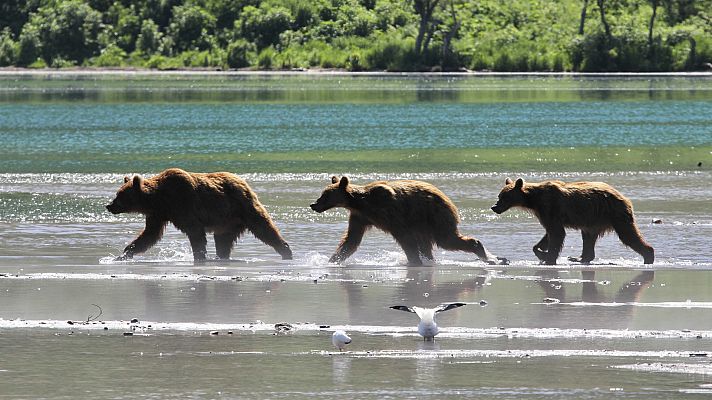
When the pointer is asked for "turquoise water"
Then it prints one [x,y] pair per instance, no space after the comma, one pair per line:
[616,327]
[335,123]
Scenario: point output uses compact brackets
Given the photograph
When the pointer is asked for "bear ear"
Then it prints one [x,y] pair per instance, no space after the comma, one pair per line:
[137,181]
[126,179]
[344,182]
[334,179]
[507,181]
[519,183]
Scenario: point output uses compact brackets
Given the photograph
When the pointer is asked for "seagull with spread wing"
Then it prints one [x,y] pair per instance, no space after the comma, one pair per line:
[427,327]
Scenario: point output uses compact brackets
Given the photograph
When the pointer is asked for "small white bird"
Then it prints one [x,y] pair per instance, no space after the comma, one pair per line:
[340,339]
[427,328]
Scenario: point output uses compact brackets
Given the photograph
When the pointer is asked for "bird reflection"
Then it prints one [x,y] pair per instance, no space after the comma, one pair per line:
[340,369]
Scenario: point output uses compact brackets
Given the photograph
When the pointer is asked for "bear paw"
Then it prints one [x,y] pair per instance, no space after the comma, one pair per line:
[124,257]
[498,261]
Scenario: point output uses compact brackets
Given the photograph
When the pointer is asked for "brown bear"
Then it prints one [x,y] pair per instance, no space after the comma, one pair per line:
[417,215]
[196,203]
[593,207]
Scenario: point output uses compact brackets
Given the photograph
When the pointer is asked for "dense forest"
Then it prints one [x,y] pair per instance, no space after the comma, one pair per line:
[392,35]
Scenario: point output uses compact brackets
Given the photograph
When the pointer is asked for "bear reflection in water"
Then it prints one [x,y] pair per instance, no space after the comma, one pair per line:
[593,207]
[196,203]
[417,214]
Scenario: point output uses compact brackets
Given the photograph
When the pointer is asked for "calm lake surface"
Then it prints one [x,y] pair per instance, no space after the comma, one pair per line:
[260,327]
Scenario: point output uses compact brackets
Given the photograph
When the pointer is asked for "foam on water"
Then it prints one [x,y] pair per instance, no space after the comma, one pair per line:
[676,368]
[391,331]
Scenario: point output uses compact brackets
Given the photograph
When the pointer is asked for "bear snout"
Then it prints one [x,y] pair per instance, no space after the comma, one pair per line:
[497,209]
[112,208]
[316,207]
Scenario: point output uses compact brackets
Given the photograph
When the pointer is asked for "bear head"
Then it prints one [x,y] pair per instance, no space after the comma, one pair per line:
[512,195]
[335,195]
[128,198]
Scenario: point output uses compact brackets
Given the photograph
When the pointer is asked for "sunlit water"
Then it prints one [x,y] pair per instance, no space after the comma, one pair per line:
[614,328]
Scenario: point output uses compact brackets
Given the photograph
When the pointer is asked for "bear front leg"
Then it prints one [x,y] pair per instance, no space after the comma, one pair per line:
[588,253]
[425,249]
[150,235]
[198,244]
[351,240]
[410,246]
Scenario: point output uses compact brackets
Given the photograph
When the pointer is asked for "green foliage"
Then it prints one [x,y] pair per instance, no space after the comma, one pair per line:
[112,56]
[265,60]
[8,48]
[239,53]
[127,25]
[29,46]
[392,54]
[263,25]
[190,28]
[149,38]
[63,34]
[523,35]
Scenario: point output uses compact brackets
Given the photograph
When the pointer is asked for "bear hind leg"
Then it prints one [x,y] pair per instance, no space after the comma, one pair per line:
[455,241]
[224,243]
[264,229]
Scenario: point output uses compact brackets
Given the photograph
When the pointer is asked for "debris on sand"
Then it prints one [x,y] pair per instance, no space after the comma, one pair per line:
[283,327]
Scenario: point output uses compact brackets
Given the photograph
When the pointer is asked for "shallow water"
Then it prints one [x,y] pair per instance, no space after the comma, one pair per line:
[613,328]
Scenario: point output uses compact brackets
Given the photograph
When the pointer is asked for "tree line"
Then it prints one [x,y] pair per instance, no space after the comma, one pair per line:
[393,35]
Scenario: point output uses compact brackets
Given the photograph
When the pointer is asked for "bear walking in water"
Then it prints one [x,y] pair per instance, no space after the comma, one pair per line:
[417,214]
[220,202]
[593,207]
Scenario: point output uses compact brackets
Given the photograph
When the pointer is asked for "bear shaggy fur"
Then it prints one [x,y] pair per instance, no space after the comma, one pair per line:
[417,214]
[593,207]
[195,203]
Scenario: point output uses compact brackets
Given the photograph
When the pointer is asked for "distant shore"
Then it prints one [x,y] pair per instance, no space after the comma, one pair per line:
[321,72]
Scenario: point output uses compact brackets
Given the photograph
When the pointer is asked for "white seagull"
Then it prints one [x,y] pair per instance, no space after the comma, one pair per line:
[427,328]
[340,339]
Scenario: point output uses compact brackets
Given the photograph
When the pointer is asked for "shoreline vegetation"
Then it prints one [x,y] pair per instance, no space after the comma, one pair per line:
[359,35]
[69,72]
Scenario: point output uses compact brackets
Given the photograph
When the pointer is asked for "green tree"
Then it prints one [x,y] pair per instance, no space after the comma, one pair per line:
[425,10]
[191,28]
[263,25]
[238,53]
[30,45]
[8,48]
[149,39]
[126,24]
[68,30]
[226,11]
[15,13]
